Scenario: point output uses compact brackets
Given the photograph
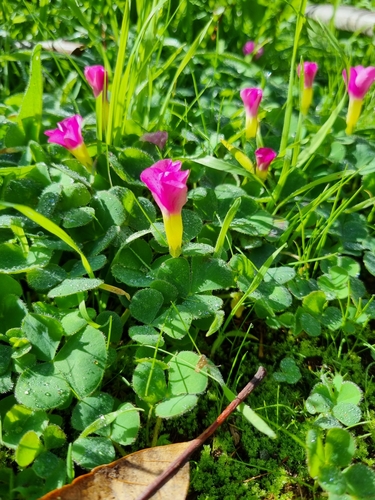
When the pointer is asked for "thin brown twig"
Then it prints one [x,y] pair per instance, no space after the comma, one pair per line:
[176,465]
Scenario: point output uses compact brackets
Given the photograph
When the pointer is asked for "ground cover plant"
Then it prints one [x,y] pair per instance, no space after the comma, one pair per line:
[187,192]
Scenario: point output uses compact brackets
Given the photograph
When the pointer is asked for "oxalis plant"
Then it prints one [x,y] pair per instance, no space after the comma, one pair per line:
[159,220]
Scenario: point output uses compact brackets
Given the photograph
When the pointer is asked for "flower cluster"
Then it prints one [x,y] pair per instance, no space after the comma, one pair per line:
[165,179]
[69,131]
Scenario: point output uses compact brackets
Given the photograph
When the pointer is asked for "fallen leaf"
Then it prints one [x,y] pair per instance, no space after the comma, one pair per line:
[128,477]
[60,46]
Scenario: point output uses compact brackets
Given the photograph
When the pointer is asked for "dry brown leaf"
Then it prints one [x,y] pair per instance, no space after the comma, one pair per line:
[127,478]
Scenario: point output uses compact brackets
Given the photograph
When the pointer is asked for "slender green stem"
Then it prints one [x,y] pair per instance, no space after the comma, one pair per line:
[289,108]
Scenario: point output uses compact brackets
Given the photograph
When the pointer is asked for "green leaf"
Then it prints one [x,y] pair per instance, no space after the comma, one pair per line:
[339,447]
[45,464]
[30,114]
[280,275]
[110,324]
[149,382]
[332,318]
[90,409]
[192,225]
[347,413]
[141,212]
[250,414]
[42,387]
[73,323]
[92,451]
[9,285]
[46,278]
[44,333]
[315,302]
[174,322]
[349,393]
[196,249]
[73,286]
[290,372]
[360,481]
[13,260]
[327,421]
[216,323]
[28,449]
[131,277]
[18,420]
[300,287]
[177,273]
[6,382]
[169,291]
[201,306]
[51,227]
[310,324]
[125,427]
[369,262]
[223,166]
[5,358]
[209,274]
[86,352]
[259,224]
[184,377]
[108,209]
[319,400]
[74,196]
[146,335]
[53,437]
[132,264]
[331,479]
[78,217]
[339,277]
[315,452]
[176,406]
[145,305]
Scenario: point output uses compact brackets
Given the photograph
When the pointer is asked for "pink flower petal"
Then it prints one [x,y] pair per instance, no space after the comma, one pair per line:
[251,98]
[264,157]
[167,184]
[360,80]
[68,133]
[158,138]
[96,76]
[309,70]
[248,48]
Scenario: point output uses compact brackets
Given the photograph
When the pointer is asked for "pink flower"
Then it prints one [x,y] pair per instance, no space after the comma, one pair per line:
[360,80]
[167,184]
[69,135]
[251,98]
[309,71]
[250,48]
[264,157]
[158,138]
[96,76]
